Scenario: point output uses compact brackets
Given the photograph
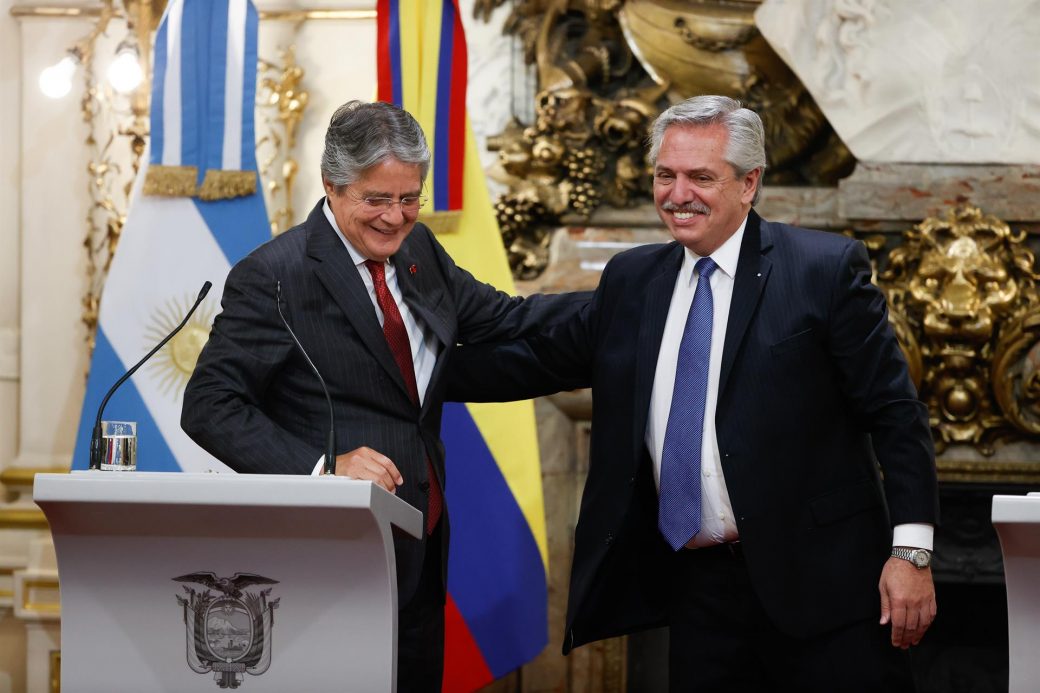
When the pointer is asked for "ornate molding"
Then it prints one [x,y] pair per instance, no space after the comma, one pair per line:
[964,299]
[604,69]
[281,103]
[22,518]
[36,596]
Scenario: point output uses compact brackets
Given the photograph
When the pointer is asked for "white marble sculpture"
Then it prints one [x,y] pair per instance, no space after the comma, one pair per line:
[919,81]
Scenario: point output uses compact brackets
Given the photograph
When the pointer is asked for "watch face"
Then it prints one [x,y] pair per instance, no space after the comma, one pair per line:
[920,559]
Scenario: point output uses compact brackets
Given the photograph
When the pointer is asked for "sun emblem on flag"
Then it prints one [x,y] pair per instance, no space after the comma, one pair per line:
[175,362]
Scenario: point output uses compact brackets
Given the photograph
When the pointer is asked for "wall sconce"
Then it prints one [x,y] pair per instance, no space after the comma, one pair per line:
[56,80]
[125,72]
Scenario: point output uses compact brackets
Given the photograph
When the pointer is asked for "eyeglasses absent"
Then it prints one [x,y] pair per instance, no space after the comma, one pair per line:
[411,203]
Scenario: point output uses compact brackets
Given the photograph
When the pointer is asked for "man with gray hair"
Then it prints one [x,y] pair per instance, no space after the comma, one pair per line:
[379,307]
[746,385]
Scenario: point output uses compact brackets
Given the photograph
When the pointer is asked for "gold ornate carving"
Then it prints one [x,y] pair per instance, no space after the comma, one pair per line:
[582,150]
[281,103]
[112,164]
[586,145]
[966,287]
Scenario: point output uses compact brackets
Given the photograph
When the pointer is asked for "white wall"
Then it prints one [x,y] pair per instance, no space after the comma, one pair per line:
[10,246]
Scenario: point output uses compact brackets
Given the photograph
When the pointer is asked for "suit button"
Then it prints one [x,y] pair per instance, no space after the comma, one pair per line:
[424,486]
[631,480]
[610,539]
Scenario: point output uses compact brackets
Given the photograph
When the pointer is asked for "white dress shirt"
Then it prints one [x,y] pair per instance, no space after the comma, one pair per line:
[423,342]
[717,523]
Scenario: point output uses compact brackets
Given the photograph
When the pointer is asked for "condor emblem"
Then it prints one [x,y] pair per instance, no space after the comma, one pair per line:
[228,633]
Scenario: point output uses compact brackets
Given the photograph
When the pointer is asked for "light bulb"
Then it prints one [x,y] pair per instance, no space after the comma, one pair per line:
[56,80]
[125,73]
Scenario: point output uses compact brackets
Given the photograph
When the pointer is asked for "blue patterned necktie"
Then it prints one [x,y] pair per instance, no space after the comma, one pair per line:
[679,513]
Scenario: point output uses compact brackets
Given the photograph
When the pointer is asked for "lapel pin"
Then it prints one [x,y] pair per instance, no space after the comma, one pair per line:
[412,269]
[760,274]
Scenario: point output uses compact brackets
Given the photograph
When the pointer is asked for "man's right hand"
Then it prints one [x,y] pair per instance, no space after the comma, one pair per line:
[368,465]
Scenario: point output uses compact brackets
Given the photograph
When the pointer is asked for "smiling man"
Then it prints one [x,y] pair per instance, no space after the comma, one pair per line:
[379,307]
[746,385]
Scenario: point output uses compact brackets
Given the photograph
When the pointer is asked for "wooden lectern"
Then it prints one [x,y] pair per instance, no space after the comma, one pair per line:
[201,582]
[1017,521]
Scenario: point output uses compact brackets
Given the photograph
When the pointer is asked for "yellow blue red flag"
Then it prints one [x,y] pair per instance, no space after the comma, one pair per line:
[496,615]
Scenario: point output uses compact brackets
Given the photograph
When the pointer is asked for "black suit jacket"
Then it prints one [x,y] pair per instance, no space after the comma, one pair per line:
[255,404]
[814,391]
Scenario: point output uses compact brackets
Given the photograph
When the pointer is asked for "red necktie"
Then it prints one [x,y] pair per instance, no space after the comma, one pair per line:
[397,339]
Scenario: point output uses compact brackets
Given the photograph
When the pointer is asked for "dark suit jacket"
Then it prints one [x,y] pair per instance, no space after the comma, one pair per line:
[255,404]
[814,390]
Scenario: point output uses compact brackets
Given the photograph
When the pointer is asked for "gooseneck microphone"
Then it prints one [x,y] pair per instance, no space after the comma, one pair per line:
[330,449]
[95,436]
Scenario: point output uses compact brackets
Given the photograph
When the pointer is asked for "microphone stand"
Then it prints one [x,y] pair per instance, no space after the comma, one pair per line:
[330,448]
[95,436]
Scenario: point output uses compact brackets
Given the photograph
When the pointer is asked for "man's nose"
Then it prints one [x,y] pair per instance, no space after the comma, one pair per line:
[683,191]
[394,215]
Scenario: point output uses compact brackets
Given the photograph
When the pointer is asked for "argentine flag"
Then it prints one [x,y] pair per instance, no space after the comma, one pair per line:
[195,210]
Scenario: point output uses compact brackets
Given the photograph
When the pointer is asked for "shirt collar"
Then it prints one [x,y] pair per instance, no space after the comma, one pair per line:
[357,257]
[725,256]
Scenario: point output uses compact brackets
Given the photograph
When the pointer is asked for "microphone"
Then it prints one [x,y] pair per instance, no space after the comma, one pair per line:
[330,449]
[95,436]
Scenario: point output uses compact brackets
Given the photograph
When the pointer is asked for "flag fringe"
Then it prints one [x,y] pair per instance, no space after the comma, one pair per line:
[442,222]
[223,185]
[170,181]
[180,181]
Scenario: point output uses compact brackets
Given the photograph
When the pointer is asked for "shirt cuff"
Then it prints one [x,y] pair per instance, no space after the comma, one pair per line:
[916,535]
[319,467]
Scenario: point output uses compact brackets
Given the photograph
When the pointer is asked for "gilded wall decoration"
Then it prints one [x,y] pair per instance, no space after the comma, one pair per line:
[964,302]
[281,103]
[116,130]
[605,69]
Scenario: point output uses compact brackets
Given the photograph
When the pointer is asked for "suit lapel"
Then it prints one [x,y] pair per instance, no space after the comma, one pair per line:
[335,269]
[657,299]
[421,293]
[753,269]
[425,298]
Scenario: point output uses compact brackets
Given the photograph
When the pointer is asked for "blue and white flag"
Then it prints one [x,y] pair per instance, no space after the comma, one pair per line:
[195,210]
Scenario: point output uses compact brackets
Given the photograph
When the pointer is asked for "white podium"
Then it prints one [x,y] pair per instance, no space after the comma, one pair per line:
[201,582]
[1017,521]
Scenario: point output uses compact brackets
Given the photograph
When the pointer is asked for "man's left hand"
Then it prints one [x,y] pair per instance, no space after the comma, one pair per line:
[907,601]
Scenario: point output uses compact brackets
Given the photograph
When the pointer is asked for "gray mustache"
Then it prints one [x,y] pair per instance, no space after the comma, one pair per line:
[688,207]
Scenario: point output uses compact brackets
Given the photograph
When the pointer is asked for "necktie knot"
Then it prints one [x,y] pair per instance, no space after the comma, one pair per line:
[704,267]
[376,269]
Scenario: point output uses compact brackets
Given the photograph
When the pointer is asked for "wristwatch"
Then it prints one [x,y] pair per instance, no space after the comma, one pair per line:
[919,558]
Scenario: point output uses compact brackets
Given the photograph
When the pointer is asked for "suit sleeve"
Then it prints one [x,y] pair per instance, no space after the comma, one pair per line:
[559,355]
[486,314]
[222,403]
[875,379]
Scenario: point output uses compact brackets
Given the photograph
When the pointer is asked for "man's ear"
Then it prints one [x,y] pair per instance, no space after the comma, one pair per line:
[330,189]
[750,181]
